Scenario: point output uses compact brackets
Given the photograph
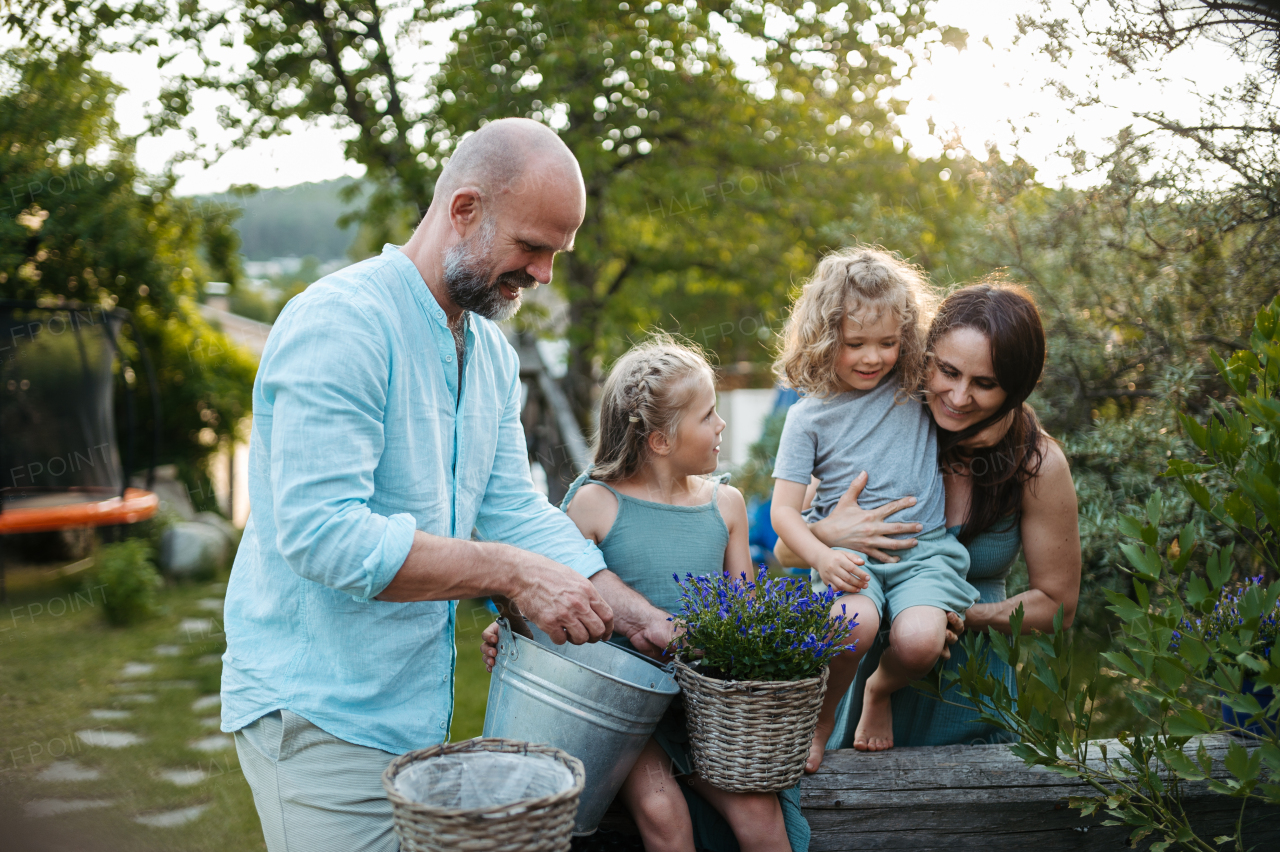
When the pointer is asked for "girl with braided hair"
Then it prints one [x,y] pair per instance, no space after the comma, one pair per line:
[650,505]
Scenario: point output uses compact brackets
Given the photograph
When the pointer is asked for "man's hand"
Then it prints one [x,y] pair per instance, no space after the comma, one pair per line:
[564,604]
[840,571]
[652,639]
[955,626]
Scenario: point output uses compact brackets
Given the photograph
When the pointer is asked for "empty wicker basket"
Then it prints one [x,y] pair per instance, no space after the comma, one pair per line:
[430,790]
[750,736]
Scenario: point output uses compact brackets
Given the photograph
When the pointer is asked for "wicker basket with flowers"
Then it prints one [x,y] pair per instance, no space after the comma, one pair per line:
[752,666]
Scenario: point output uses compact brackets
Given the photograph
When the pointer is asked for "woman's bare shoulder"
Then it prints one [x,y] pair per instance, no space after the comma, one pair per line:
[1052,484]
[1053,461]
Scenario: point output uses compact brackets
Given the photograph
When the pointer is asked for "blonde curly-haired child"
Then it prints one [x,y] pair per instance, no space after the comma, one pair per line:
[854,347]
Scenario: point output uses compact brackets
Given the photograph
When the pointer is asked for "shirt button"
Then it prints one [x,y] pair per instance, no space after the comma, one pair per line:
[442,726]
[448,357]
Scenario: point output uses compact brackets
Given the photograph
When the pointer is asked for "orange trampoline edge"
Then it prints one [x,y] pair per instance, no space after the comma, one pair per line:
[137,505]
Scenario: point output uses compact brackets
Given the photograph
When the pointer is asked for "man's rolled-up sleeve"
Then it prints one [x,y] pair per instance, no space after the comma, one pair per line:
[514,513]
[325,377]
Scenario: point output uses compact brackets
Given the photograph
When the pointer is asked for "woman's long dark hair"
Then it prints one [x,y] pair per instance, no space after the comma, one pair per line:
[1007,316]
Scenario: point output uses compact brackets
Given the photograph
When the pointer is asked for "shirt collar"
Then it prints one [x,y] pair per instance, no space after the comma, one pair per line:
[421,292]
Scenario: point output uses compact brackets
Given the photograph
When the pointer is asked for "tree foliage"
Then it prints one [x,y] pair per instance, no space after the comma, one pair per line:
[711,186]
[1232,159]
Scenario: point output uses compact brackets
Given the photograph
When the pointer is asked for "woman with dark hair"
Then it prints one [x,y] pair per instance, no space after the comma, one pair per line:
[1008,488]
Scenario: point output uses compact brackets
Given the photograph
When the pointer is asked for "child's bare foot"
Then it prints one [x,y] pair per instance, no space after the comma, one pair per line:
[818,747]
[875,728]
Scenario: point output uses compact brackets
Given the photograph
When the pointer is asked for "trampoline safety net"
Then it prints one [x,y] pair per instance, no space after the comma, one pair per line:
[57,424]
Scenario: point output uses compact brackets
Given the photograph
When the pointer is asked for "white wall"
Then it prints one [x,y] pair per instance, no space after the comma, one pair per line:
[744,411]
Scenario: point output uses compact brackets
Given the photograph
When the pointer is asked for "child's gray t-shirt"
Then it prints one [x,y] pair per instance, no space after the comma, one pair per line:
[837,438]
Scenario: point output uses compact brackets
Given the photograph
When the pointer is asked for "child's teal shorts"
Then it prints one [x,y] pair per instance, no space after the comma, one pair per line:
[930,574]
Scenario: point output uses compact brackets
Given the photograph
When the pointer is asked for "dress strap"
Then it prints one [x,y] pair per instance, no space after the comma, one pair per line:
[573,489]
[584,478]
[716,481]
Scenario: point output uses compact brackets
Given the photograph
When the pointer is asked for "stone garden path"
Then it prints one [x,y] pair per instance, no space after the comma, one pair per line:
[113,727]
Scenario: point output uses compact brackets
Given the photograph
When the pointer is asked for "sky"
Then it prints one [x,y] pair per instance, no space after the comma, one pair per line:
[993,91]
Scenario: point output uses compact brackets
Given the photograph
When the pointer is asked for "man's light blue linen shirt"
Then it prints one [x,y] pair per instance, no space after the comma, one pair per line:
[361,435]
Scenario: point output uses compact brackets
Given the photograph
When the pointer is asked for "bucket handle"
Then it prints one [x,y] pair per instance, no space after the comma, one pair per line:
[507,640]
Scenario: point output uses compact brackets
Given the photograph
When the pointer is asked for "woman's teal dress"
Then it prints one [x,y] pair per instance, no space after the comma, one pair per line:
[920,719]
[647,544]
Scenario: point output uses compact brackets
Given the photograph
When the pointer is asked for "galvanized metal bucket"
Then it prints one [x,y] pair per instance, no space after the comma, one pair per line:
[599,702]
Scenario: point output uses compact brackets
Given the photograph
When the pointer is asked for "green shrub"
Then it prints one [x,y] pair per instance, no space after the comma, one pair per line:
[129,581]
[1192,643]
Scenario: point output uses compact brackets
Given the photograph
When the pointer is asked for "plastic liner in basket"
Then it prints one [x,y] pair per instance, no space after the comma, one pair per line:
[482,779]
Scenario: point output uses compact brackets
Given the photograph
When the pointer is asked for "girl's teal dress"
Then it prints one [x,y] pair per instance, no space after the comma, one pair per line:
[920,719]
[647,543]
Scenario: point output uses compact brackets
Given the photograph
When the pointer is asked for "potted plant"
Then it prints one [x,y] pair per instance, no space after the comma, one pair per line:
[751,660]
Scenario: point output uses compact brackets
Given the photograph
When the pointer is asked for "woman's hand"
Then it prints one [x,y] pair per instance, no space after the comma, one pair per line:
[489,646]
[955,626]
[866,530]
[654,638]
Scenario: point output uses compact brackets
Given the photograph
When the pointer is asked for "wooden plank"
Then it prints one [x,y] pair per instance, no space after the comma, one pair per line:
[983,797]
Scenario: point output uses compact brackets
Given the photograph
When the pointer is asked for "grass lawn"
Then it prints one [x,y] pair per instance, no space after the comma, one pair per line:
[71,686]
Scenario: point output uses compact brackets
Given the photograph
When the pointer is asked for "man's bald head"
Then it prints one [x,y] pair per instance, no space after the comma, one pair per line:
[510,198]
[507,158]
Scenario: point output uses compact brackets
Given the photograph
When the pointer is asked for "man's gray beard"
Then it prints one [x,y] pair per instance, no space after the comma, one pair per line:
[468,277]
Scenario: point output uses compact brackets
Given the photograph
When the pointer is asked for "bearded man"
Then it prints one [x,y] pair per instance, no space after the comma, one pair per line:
[389,478]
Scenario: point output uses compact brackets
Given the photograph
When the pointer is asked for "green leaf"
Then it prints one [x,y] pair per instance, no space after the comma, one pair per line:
[1218,567]
[1240,510]
[1143,596]
[1222,789]
[1155,508]
[1198,493]
[1170,672]
[1239,762]
[1139,833]
[1182,467]
[1194,651]
[1188,722]
[1232,373]
[1181,764]
[1146,562]
[1130,526]
[1266,498]
[1198,434]
[1249,661]
[1123,606]
[1266,323]
[1197,591]
[1121,661]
